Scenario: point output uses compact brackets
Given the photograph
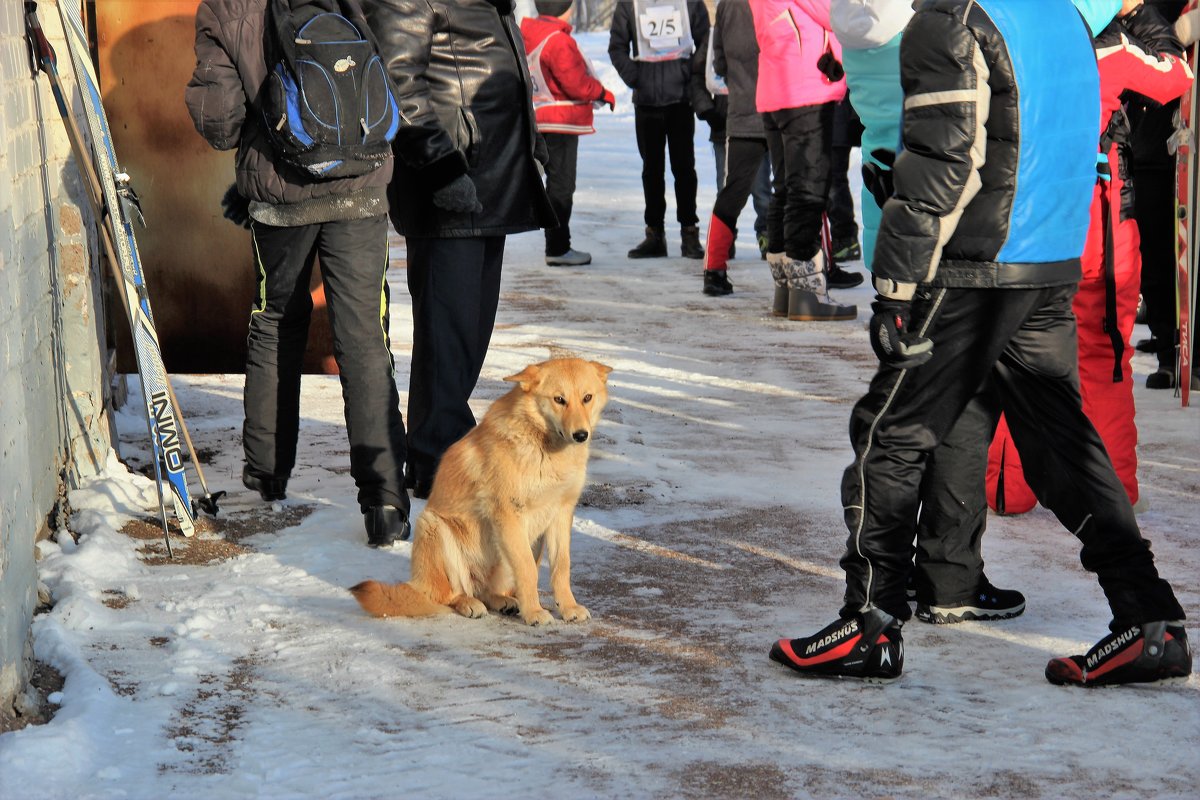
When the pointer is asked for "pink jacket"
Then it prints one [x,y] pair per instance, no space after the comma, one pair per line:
[792,35]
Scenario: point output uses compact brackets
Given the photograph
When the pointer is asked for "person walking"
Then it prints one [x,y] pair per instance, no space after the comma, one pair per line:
[969,291]
[295,218]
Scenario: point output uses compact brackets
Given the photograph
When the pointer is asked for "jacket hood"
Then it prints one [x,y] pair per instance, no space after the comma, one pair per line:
[1098,13]
[863,24]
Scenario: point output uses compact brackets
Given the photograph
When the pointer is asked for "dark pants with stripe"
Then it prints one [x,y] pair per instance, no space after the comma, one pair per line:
[1023,341]
[800,140]
[671,128]
[560,188]
[455,288]
[354,258]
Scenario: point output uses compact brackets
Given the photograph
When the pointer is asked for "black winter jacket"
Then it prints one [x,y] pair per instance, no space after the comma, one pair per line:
[735,58]
[229,74]
[463,86]
[654,83]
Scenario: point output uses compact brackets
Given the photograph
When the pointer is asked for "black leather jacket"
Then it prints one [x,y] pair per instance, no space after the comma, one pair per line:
[463,86]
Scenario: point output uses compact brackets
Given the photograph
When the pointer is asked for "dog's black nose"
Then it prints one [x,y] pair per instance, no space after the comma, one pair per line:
[580,436]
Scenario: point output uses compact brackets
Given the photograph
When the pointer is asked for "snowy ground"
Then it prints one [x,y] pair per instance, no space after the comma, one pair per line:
[711,527]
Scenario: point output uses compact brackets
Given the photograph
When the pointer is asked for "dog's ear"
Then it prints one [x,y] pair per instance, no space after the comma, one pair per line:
[527,377]
[602,369]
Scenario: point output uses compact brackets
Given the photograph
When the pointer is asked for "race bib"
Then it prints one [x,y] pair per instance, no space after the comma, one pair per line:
[662,26]
[664,31]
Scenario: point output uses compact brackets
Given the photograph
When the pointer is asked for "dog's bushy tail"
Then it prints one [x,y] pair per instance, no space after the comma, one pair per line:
[395,600]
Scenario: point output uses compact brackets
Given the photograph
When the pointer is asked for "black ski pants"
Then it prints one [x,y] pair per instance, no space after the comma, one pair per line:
[455,288]
[949,549]
[672,130]
[560,188]
[1023,341]
[354,258]
[800,141]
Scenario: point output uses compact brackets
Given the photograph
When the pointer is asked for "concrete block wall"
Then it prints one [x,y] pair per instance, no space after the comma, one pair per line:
[53,423]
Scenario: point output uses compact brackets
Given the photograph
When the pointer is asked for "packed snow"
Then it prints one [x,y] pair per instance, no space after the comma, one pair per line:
[711,527]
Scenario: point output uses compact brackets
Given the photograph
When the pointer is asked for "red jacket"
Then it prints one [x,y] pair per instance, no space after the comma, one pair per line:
[567,77]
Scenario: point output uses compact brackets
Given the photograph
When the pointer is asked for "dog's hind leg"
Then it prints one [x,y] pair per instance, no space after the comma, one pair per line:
[558,550]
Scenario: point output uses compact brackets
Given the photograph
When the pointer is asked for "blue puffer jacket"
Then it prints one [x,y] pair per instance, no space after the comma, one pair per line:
[993,184]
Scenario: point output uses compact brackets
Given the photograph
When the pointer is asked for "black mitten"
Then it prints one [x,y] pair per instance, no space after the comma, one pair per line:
[237,208]
[458,195]
[878,180]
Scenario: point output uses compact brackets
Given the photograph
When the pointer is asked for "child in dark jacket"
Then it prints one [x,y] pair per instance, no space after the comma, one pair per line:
[564,91]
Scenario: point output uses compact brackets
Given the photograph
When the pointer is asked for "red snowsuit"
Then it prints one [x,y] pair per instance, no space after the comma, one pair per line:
[1112,268]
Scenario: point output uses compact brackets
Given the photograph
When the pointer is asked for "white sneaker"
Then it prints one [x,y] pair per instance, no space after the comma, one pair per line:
[571,258]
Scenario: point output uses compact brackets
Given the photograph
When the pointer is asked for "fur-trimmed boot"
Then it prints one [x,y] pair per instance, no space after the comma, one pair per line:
[808,295]
[776,262]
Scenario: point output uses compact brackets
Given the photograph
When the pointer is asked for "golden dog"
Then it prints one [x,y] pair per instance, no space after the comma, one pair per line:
[500,493]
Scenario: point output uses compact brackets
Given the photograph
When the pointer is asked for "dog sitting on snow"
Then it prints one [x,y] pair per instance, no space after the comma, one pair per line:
[501,494]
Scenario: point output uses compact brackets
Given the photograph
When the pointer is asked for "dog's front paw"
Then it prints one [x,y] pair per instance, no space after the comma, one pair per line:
[576,613]
[539,617]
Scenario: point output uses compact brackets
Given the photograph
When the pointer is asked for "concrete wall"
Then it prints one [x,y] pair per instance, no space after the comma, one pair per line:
[53,425]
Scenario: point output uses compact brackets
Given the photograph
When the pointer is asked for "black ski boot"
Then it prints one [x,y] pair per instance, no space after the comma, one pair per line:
[690,242]
[716,283]
[385,525]
[268,487]
[653,246]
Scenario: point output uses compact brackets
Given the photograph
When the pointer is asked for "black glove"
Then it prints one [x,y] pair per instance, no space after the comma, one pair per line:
[830,67]
[890,337]
[237,208]
[879,180]
[458,195]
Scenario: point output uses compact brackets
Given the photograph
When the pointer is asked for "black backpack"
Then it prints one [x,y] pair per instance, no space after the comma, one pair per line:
[328,102]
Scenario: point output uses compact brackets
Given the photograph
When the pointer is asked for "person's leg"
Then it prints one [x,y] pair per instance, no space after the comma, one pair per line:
[560,188]
[806,148]
[1067,466]
[743,157]
[455,290]
[774,136]
[720,155]
[1154,204]
[893,429]
[354,256]
[948,576]
[903,418]
[681,136]
[275,348]
[650,125]
[843,229]
[761,193]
